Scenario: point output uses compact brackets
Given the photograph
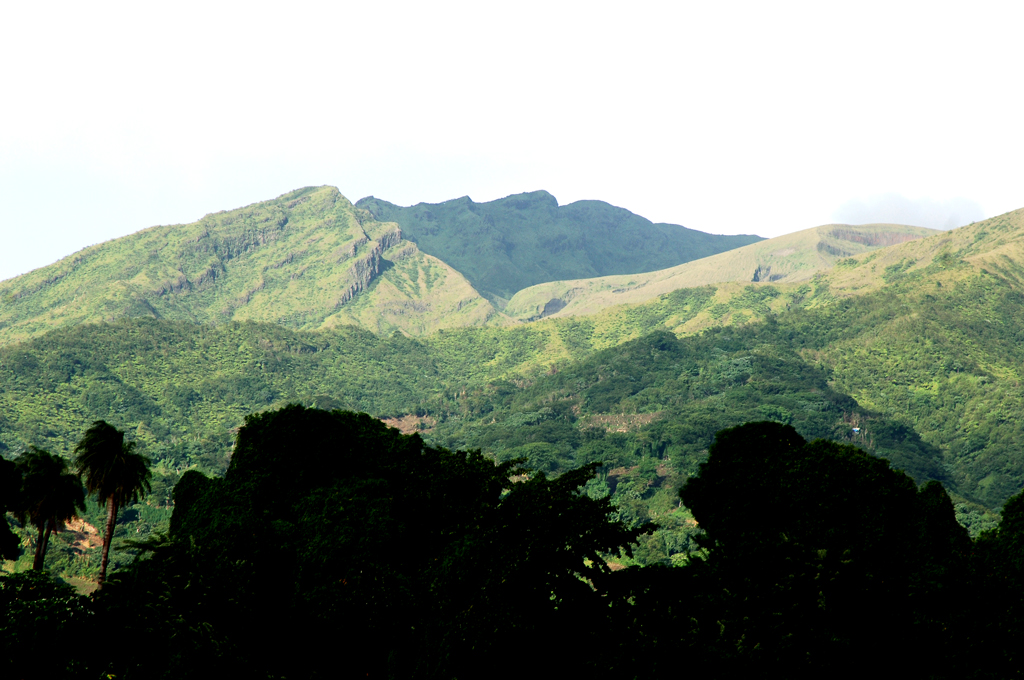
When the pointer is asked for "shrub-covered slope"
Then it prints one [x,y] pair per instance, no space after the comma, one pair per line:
[506,245]
[307,259]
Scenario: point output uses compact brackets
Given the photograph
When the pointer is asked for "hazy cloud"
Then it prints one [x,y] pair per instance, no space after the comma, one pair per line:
[922,212]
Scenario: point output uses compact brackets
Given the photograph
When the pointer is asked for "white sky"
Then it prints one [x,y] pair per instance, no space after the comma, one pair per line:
[725,117]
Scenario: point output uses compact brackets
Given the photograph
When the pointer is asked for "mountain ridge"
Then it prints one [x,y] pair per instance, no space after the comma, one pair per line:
[505,245]
[310,259]
[301,259]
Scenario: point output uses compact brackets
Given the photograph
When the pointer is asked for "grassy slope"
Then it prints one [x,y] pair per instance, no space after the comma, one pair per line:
[791,258]
[506,245]
[306,260]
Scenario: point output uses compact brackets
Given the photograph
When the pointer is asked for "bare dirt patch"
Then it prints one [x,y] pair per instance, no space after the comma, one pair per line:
[410,423]
[84,535]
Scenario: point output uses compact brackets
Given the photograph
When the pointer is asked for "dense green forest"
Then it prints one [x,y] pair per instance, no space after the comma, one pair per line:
[334,546]
[927,374]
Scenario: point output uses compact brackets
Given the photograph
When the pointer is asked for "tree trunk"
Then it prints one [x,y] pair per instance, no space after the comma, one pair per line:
[107,537]
[41,552]
[37,562]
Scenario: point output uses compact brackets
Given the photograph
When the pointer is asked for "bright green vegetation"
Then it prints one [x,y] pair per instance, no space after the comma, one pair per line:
[336,547]
[307,259]
[793,258]
[506,245]
[647,409]
[916,345]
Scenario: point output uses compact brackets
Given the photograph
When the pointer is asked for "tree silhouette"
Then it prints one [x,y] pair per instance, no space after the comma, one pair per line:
[820,551]
[114,472]
[50,496]
[10,487]
[371,552]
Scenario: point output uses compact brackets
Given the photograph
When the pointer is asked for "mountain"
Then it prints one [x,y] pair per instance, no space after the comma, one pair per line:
[791,258]
[911,351]
[509,244]
[307,259]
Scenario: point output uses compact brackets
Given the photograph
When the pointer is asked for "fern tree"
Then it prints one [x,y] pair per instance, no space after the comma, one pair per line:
[50,496]
[114,472]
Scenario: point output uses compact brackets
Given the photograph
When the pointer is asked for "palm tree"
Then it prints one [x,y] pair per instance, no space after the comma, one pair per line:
[50,496]
[114,472]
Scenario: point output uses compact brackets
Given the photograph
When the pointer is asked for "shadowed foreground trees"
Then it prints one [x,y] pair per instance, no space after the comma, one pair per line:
[44,629]
[824,559]
[336,547]
[10,485]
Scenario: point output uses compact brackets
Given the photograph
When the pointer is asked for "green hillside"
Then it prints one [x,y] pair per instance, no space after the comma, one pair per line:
[307,259]
[925,363]
[916,345]
[648,408]
[506,245]
[928,332]
[792,258]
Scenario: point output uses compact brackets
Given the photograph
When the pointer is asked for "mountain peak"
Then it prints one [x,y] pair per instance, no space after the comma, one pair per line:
[529,199]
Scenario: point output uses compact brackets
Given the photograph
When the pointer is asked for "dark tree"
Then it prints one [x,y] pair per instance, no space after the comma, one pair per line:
[10,486]
[990,621]
[827,560]
[43,624]
[114,472]
[50,496]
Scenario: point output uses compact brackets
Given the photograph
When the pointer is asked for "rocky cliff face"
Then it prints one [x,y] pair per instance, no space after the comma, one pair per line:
[366,267]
